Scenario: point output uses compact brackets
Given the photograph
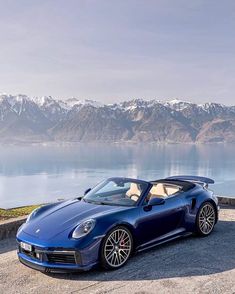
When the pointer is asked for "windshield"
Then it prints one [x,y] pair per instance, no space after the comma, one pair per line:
[117,191]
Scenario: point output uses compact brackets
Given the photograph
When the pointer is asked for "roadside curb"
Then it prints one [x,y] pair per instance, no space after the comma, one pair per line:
[8,228]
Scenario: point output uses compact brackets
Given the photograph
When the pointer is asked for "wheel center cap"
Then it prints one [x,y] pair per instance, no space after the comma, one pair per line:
[116,247]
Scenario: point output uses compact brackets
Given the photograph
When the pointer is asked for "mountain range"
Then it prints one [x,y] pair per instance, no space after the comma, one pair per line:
[25,119]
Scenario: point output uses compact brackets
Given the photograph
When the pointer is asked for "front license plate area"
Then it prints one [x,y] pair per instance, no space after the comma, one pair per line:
[26,247]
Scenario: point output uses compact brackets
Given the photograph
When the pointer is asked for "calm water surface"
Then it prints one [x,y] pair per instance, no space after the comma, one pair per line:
[37,174]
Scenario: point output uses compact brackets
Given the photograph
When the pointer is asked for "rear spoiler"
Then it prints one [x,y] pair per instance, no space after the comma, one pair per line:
[194,179]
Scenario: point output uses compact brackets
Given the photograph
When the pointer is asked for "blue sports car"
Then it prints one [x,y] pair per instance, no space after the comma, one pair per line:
[116,218]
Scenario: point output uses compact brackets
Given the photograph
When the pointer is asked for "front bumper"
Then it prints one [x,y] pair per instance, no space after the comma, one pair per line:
[59,259]
[52,268]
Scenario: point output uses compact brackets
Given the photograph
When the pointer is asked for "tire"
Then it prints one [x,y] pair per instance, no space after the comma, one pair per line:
[116,248]
[206,219]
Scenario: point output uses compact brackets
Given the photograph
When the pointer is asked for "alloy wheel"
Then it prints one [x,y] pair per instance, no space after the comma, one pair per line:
[207,219]
[117,248]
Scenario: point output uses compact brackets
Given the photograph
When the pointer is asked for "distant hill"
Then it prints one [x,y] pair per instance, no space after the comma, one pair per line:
[25,119]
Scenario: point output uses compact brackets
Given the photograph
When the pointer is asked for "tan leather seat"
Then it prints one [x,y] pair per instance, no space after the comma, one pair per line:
[133,191]
[171,190]
[158,191]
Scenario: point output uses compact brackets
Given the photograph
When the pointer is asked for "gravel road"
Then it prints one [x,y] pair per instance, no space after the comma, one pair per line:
[190,265]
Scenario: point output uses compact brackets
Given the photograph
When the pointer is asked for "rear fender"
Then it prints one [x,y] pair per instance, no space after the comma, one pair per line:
[193,202]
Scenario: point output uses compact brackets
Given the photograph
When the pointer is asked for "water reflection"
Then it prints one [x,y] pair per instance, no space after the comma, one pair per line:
[32,174]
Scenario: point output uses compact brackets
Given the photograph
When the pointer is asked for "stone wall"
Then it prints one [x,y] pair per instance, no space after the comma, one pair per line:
[8,228]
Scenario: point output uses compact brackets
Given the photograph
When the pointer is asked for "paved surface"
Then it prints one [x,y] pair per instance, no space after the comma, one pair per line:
[190,265]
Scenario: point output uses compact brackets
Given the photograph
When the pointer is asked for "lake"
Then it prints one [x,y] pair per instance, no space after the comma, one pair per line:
[45,173]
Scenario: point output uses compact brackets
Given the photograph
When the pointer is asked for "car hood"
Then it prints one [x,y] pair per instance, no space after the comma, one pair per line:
[66,215]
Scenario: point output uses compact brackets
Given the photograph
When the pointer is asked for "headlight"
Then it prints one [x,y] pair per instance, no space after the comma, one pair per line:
[32,214]
[84,228]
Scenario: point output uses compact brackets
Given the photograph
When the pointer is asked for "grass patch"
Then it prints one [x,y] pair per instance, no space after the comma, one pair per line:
[15,212]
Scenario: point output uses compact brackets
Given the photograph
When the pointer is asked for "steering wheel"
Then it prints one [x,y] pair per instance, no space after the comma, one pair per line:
[135,196]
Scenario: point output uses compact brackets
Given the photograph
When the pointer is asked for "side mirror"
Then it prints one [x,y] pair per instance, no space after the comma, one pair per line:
[156,201]
[87,191]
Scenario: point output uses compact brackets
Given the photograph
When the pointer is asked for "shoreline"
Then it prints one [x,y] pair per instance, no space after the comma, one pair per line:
[124,142]
[11,213]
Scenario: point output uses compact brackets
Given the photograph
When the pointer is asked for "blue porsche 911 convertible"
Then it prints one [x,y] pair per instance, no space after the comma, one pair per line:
[117,217]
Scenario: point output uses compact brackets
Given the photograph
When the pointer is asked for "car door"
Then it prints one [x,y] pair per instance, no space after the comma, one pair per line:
[159,220]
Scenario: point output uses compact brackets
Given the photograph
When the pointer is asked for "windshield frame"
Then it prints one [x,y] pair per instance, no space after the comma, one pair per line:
[137,181]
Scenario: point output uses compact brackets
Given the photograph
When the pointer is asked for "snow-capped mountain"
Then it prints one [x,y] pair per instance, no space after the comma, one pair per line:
[23,118]
[71,102]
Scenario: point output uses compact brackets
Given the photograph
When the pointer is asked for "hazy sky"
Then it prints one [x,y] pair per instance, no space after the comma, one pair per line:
[120,49]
